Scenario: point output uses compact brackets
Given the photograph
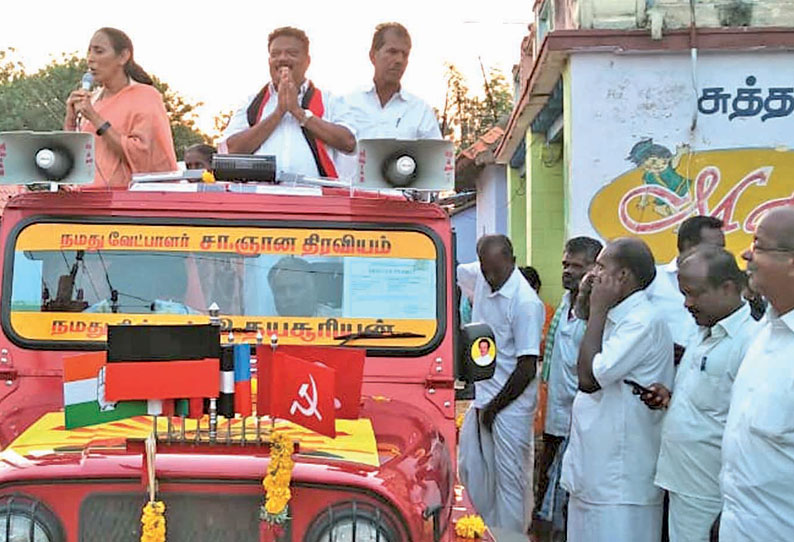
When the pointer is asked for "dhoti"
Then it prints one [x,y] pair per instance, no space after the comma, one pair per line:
[613,522]
[691,518]
[496,468]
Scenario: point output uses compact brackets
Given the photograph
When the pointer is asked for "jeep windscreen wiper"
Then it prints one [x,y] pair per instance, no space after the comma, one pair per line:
[378,335]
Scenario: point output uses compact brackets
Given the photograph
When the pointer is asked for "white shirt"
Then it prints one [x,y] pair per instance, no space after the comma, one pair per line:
[516,315]
[757,475]
[404,116]
[563,378]
[690,455]
[287,142]
[614,442]
[669,302]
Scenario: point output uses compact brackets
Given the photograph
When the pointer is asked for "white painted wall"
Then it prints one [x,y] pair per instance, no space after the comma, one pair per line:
[492,200]
[619,99]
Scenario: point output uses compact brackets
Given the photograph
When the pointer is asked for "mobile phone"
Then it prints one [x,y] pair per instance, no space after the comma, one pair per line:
[636,386]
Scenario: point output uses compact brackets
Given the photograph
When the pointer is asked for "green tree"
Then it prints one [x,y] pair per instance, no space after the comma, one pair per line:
[37,101]
[467,116]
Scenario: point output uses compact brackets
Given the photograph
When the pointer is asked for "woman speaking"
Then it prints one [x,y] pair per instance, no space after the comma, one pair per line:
[126,112]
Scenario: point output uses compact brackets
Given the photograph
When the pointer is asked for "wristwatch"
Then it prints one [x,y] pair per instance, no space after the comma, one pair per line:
[307,114]
[104,128]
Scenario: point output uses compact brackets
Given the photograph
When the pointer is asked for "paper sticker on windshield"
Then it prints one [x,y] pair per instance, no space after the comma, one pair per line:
[483,351]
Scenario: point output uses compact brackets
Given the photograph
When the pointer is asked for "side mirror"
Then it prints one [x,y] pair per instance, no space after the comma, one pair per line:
[478,352]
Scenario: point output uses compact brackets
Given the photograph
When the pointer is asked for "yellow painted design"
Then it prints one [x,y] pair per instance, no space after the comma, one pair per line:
[236,240]
[736,185]
[70,326]
[355,440]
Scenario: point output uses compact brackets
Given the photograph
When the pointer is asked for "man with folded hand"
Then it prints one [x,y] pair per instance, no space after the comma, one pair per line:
[290,117]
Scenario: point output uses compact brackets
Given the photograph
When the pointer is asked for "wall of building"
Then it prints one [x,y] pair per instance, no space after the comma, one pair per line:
[492,200]
[465,224]
[719,130]
[545,223]
[517,213]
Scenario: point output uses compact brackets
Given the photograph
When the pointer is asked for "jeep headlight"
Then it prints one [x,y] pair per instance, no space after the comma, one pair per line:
[349,521]
[26,520]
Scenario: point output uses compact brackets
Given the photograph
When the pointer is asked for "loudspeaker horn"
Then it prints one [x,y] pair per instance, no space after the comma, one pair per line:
[427,164]
[44,157]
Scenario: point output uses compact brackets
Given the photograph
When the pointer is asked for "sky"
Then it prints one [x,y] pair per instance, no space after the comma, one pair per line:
[216,53]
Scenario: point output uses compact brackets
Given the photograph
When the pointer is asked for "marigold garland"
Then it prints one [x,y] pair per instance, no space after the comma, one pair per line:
[277,480]
[153,521]
[470,527]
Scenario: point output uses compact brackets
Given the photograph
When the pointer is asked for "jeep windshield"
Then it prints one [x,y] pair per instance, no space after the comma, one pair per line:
[307,285]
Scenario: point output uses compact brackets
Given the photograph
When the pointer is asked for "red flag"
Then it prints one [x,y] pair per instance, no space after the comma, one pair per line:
[303,393]
[349,366]
[162,379]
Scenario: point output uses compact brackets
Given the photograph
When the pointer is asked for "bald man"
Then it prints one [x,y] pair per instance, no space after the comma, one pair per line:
[758,446]
[610,461]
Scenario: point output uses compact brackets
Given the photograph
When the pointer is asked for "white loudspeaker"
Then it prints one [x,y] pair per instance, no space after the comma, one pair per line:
[427,164]
[42,157]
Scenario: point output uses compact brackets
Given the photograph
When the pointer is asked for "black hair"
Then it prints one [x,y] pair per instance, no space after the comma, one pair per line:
[379,37]
[120,41]
[689,233]
[634,255]
[645,149]
[288,263]
[485,242]
[203,149]
[720,265]
[584,245]
[486,341]
[290,31]
[532,276]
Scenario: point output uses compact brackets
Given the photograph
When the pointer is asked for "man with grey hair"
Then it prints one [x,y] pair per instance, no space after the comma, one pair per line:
[758,445]
[609,464]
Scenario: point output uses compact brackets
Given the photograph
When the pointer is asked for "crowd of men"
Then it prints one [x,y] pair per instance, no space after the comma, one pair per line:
[670,411]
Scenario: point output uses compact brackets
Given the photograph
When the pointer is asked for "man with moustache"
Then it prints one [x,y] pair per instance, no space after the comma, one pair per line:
[664,292]
[559,370]
[758,445]
[697,407]
[289,117]
[385,109]
[609,464]
[499,477]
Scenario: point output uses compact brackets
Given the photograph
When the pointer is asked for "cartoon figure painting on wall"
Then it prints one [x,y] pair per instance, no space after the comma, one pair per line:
[659,165]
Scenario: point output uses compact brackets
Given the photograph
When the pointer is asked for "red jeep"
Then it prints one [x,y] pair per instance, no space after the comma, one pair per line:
[376,269]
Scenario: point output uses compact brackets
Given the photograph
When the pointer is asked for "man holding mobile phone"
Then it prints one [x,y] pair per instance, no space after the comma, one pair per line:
[689,457]
[609,465]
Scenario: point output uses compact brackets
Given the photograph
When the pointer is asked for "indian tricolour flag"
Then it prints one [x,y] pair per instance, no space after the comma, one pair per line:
[84,393]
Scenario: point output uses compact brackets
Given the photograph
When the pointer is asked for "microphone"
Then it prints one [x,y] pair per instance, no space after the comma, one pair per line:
[85,83]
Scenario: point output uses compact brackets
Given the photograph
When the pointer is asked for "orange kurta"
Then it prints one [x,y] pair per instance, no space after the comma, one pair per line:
[138,114]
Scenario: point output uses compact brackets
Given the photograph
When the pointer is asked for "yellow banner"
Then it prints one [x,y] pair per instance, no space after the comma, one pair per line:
[71,326]
[355,439]
[235,240]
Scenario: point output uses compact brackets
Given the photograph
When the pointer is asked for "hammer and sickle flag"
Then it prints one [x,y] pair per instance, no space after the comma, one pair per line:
[302,392]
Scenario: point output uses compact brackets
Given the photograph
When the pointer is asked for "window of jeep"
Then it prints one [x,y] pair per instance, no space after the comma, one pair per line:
[308,285]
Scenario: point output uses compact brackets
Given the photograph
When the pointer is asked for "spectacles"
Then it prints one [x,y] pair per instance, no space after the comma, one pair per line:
[755,248]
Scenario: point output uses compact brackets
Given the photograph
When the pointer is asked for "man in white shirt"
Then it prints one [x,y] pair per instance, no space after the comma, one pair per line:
[385,109]
[290,118]
[609,465]
[504,404]
[757,476]
[690,456]
[559,370]
[664,293]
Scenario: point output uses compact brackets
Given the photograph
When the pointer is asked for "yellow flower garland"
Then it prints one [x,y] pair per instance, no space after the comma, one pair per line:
[470,527]
[277,480]
[153,520]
